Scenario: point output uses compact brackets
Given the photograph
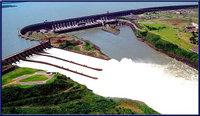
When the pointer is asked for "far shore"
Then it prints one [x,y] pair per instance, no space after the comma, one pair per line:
[184,60]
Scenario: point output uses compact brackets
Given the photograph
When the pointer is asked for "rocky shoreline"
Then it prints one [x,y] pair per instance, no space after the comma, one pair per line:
[115,33]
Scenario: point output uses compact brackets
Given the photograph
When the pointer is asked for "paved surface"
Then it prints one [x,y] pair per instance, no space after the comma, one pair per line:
[11,83]
[17,80]
[34,82]
[133,24]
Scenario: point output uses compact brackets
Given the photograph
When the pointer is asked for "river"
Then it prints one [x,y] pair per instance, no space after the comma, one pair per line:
[135,71]
[126,45]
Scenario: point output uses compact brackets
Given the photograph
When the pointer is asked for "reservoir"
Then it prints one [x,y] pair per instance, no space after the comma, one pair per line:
[27,13]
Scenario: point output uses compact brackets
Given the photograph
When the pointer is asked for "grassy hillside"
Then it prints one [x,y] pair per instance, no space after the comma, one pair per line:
[166,30]
[168,33]
[171,26]
[158,42]
[34,78]
[61,95]
[9,77]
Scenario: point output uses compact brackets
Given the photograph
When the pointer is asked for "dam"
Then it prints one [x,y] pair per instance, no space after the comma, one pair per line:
[23,54]
[126,74]
[80,23]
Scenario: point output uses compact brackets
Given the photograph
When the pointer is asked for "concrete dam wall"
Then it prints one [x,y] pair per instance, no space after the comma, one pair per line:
[79,23]
[23,54]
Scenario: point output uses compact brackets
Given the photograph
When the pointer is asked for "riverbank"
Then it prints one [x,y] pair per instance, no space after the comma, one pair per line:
[184,60]
[142,36]
[179,58]
[111,29]
[67,42]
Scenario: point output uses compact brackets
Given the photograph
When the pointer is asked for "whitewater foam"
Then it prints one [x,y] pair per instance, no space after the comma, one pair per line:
[148,83]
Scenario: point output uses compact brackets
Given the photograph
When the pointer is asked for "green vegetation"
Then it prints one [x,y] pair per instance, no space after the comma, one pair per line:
[6,66]
[64,96]
[88,46]
[158,42]
[25,86]
[167,32]
[194,38]
[152,27]
[53,78]
[48,82]
[111,28]
[174,23]
[38,36]
[7,78]
[70,45]
[34,78]
[151,15]
[141,108]
[77,48]
[68,42]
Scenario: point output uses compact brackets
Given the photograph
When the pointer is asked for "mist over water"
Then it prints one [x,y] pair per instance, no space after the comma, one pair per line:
[149,83]
[146,82]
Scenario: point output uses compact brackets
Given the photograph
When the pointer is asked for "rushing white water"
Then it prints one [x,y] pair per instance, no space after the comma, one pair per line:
[149,83]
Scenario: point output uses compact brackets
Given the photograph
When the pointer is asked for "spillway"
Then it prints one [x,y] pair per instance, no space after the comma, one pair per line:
[127,78]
